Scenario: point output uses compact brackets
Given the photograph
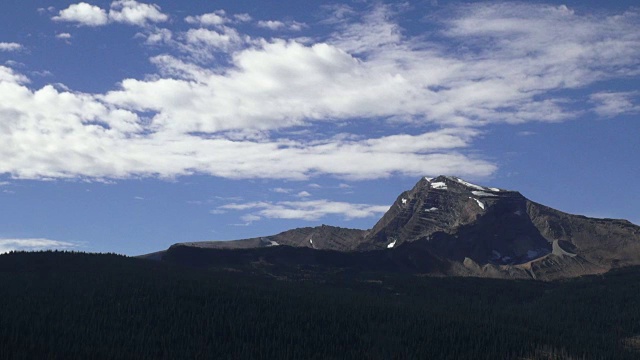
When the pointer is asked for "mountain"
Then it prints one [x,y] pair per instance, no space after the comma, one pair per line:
[320,237]
[443,226]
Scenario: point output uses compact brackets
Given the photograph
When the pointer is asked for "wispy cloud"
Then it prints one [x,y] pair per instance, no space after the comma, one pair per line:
[281,190]
[307,210]
[280,25]
[7,245]
[609,104]
[303,194]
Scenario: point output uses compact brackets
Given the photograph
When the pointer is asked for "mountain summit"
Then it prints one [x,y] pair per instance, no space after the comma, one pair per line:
[448,226]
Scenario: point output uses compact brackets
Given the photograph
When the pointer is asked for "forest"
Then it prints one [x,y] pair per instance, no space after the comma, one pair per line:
[69,305]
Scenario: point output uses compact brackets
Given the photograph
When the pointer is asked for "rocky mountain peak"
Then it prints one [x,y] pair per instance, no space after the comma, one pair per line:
[452,226]
[440,204]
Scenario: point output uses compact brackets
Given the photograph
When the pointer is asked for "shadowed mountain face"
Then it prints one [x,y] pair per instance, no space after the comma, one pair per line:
[448,226]
[320,237]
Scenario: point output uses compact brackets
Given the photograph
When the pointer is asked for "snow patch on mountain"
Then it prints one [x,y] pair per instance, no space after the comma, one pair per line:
[431,209]
[482,193]
[439,185]
[268,242]
[468,184]
[480,203]
[390,246]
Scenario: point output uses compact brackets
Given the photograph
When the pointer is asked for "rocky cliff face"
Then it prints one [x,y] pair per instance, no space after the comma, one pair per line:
[474,230]
[461,220]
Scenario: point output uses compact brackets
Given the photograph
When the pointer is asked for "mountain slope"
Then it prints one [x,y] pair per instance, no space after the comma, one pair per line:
[448,226]
[320,237]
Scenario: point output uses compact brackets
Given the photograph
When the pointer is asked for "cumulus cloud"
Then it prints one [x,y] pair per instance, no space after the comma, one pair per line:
[63,36]
[83,14]
[52,133]
[134,13]
[232,106]
[210,19]
[7,245]
[10,46]
[307,210]
[122,11]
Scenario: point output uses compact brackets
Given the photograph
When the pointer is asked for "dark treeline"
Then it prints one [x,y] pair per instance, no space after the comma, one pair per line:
[60,305]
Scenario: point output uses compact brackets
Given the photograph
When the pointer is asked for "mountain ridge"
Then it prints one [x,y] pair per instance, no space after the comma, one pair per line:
[448,226]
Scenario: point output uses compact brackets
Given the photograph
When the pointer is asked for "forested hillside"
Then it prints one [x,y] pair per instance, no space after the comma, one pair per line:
[77,306]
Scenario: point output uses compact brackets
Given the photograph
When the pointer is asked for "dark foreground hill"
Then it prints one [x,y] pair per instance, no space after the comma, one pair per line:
[444,226]
[59,305]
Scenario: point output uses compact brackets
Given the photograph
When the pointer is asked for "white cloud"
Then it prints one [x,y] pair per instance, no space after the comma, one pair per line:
[83,14]
[158,36]
[279,25]
[8,76]
[303,194]
[122,11]
[308,210]
[271,24]
[7,245]
[211,19]
[249,218]
[245,116]
[208,39]
[10,46]
[134,13]
[63,36]
[50,9]
[281,190]
[611,104]
[242,17]
[372,33]
[84,137]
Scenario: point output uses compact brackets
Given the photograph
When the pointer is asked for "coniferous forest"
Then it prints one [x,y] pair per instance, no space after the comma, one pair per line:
[63,305]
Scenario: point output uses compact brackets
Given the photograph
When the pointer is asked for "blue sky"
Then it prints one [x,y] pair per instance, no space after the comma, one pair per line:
[128,126]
